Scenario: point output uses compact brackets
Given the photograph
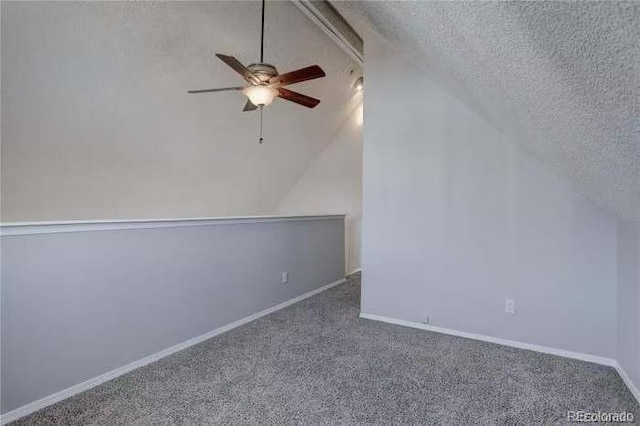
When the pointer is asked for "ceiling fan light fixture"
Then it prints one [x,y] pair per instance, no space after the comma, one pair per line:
[260,95]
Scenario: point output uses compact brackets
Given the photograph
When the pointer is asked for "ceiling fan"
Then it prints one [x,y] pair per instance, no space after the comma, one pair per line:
[265,83]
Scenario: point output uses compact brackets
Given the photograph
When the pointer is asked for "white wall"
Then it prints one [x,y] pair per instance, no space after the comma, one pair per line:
[456,218]
[629,299]
[333,184]
[97,124]
[77,304]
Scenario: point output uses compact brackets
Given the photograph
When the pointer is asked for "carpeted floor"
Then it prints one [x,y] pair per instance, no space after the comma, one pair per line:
[316,362]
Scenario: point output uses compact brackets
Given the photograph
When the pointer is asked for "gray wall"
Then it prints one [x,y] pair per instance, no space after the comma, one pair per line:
[76,305]
[457,218]
[333,183]
[629,299]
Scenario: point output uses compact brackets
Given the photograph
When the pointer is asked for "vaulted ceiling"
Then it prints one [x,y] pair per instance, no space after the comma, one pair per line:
[561,78]
[97,124]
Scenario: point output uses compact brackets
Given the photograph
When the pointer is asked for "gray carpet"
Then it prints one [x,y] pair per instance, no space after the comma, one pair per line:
[316,362]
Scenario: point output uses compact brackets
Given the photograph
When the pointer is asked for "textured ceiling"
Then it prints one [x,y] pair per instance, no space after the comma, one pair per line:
[561,78]
[97,124]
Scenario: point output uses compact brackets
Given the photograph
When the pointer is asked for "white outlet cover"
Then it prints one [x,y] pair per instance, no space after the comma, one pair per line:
[285,277]
[510,306]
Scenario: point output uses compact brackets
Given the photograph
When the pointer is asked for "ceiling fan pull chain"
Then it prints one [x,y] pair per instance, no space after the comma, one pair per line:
[260,140]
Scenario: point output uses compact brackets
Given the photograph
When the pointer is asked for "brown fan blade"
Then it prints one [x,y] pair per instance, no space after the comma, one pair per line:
[239,68]
[249,106]
[303,74]
[222,89]
[298,98]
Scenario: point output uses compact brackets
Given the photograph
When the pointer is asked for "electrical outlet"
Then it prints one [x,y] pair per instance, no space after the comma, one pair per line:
[510,306]
[285,277]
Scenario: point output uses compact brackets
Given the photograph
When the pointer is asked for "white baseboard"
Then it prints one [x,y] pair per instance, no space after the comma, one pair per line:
[521,345]
[355,271]
[81,387]
[627,381]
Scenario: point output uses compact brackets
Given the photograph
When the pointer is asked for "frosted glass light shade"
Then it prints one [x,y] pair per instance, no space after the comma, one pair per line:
[260,95]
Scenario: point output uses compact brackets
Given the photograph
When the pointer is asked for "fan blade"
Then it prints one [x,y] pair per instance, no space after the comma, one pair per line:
[298,98]
[249,106]
[222,89]
[239,68]
[303,74]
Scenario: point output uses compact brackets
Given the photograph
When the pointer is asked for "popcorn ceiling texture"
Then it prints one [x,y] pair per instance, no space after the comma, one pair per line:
[560,78]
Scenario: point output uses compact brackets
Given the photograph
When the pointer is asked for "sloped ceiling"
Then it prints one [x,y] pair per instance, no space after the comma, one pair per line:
[96,123]
[562,78]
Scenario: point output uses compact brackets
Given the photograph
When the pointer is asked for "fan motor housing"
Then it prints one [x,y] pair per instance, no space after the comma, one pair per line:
[263,71]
